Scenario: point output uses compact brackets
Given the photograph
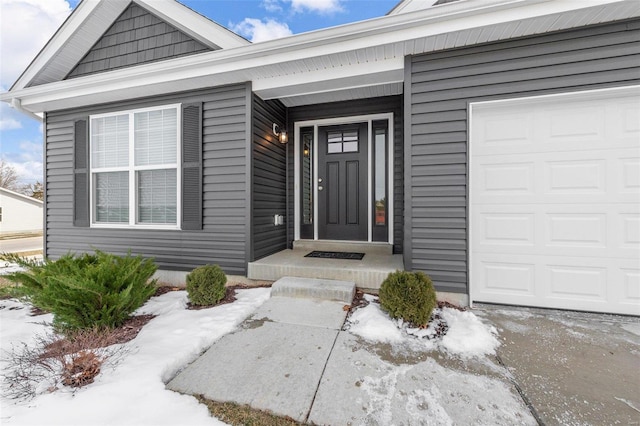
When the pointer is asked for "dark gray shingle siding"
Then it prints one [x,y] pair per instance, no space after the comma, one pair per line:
[222,239]
[136,37]
[439,89]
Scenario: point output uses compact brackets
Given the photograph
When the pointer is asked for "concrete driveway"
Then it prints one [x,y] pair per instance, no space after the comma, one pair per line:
[572,368]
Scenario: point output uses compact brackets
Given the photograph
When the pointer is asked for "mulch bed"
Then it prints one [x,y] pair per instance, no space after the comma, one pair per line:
[92,339]
[229,297]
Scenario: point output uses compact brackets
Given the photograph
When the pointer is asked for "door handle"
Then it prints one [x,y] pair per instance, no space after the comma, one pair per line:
[319,180]
[320,188]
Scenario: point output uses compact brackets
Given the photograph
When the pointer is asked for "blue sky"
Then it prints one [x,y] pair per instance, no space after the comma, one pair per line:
[256,20]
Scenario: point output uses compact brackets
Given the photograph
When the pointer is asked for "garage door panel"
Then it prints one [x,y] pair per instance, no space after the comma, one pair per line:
[629,175]
[576,176]
[570,124]
[629,231]
[505,275]
[507,228]
[630,292]
[577,280]
[508,177]
[576,230]
[555,208]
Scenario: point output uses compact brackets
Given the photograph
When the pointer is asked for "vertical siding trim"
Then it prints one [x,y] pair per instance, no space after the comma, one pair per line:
[407,143]
[44,185]
[249,255]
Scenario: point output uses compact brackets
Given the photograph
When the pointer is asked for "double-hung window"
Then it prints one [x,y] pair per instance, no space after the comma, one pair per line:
[134,158]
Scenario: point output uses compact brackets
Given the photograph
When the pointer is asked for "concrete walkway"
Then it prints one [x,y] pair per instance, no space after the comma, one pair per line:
[291,358]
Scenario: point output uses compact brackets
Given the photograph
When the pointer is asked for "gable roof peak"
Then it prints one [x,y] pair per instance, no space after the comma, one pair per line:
[92,18]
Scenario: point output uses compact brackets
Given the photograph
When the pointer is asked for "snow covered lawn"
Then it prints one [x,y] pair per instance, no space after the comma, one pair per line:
[134,392]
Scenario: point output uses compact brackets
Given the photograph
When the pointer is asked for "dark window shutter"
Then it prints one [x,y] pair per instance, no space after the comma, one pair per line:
[81,173]
[192,166]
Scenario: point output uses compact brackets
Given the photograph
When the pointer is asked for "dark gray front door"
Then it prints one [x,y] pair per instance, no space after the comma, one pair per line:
[342,182]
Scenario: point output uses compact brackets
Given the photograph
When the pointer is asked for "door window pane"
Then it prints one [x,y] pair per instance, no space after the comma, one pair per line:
[342,141]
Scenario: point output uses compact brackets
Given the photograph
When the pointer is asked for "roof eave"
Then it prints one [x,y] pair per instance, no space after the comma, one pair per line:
[242,60]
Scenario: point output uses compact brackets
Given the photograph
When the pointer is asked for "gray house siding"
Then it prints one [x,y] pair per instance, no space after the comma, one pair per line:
[222,240]
[269,179]
[136,37]
[438,89]
[359,107]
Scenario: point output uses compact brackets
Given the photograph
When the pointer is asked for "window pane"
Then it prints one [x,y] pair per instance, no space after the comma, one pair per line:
[334,147]
[157,196]
[307,179]
[380,177]
[110,141]
[350,146]
[156,137]
[111,197]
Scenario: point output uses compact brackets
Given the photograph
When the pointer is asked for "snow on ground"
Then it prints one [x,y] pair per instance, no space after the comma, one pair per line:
[134,392]
[420,382]
[8,268]
[467,337]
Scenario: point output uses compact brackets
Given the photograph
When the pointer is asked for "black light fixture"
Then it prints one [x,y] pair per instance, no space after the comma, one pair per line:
[280,133]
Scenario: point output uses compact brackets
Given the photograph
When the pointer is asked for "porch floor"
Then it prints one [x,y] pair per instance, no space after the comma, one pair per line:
[367,273]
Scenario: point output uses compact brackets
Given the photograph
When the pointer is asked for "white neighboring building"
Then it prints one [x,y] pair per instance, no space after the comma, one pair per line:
[19,213]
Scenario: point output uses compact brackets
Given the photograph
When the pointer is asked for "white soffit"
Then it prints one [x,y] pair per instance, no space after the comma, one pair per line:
[338,54]
[344,95]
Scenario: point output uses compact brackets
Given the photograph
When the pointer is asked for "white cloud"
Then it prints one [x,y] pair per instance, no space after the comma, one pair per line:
[7,123]
[257,30]
[320,6]
[271,5]
[25,27]
[29,172]
[27,162]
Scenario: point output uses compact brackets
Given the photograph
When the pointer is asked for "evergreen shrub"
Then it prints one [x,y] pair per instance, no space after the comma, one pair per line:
[206,285]
[89,291]
[408,295]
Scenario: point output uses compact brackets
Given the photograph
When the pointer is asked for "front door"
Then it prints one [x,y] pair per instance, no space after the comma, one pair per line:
[342,182]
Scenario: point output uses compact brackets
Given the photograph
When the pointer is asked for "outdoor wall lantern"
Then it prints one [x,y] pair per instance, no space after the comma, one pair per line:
[280,133]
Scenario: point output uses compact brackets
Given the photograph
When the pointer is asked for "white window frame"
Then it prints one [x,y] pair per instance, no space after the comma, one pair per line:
[132,169]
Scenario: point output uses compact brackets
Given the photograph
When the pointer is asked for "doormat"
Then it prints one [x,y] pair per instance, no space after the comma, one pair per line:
[336,255]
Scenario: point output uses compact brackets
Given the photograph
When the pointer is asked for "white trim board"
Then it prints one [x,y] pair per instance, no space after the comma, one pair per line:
[297,173]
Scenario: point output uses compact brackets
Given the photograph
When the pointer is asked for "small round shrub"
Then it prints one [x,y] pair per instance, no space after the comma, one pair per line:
[205,285]
[408,295]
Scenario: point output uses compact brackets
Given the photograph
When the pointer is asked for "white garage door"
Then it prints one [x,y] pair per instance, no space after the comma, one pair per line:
[554,186]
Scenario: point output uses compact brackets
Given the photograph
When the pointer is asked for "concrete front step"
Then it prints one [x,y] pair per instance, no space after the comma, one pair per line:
[311,288]
[368,273]
[348,246]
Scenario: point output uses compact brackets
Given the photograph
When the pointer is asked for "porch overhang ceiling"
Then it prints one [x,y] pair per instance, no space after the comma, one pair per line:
[346,62]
